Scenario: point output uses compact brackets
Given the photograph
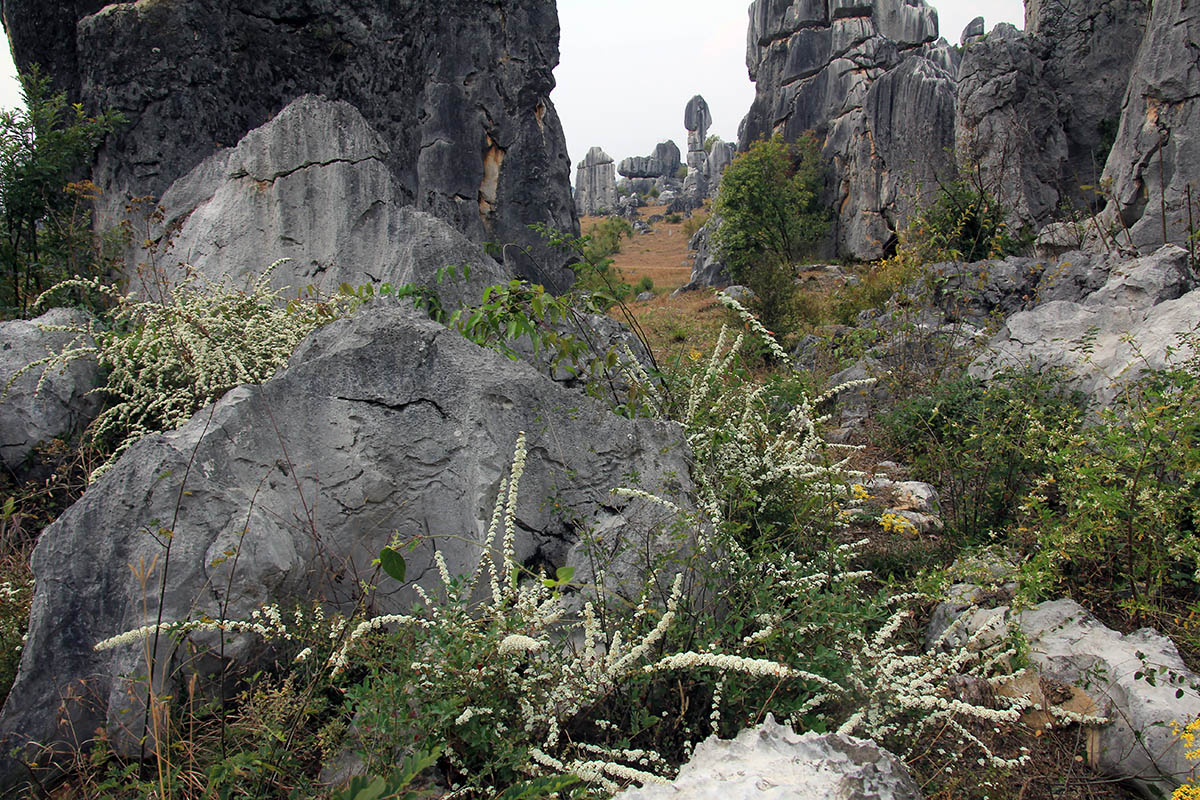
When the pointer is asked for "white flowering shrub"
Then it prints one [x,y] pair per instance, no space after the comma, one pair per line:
[513,678]
[167,358]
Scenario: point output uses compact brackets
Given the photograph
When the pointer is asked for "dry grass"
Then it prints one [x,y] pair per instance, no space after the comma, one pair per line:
[661,254]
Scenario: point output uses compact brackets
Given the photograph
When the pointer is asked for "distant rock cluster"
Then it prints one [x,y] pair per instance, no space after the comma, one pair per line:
[680,185]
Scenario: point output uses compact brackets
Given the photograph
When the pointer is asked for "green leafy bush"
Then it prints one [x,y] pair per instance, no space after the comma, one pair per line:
[1119,507]
[965,222]
[770,218]
[45,227]
[983,446]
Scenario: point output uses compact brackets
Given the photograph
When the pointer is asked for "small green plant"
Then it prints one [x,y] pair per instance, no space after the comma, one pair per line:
[965,222]
[45,227]
[770,218]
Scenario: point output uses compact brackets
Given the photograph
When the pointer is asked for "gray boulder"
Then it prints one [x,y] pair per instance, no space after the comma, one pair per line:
[707,268]
[311,185]
[973,32]
[1137,682]
[662,163]
[719,159]
[771,761]
[595,184]
[640,167]
[1156,155]
[1131,324]
[64,406]
[460,93]
[382,424]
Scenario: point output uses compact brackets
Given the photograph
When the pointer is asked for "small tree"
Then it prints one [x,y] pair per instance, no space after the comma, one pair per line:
[44,222]
[771,217]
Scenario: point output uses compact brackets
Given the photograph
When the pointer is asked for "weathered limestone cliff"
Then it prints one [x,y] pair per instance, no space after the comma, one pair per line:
[459,92]
[871,81]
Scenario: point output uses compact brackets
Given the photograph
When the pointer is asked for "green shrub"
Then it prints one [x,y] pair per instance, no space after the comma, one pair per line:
[983,446]
[45,227]
[965,222]
[770,218]
[604,238]
[1120,506]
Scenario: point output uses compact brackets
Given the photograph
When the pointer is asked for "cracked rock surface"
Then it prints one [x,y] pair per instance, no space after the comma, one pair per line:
[875,85]
[383,424]
[459,92]
[1157,151]
[312,185]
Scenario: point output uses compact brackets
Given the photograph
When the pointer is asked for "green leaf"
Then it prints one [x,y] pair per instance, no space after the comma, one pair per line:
[393,563]
[564,574]
[538,787]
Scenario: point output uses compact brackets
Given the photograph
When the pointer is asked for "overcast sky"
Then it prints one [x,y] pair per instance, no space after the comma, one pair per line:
[628,67]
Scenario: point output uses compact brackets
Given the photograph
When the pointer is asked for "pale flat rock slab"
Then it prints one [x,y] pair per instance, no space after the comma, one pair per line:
[772,762]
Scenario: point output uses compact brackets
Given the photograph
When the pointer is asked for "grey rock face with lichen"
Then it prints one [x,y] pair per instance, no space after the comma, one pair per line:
[1037,110]
[1156,155]
[1105,335]
[664,162]
[870,80]
[312,186]
[460,93]
[383,424]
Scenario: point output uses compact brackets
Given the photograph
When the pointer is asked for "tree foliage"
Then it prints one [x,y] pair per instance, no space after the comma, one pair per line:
[771,218]
[45,226]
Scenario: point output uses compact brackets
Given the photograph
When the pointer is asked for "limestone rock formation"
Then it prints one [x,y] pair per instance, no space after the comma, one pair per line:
[720,156]
[312,185]
[384,423]
[973,32]
[63,407]
[773,761]
[697,119]
[1009,122]
[1093,49]
[640,167]
[1156,155]
[1038,109]
[1066,644]
[664,162]
[870,80]
[460,93]
[1132,323]
[595,184]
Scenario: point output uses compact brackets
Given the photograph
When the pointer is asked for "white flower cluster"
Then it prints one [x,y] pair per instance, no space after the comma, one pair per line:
[754,325]
[167,358]
[903,693]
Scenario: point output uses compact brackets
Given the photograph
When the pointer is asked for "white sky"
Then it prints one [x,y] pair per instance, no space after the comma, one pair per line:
[628,67]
